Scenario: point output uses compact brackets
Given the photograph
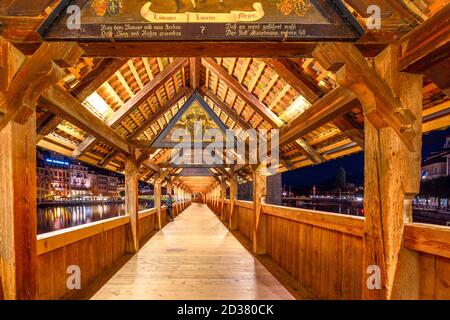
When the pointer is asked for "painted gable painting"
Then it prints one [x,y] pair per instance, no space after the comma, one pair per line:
[193,116]
[144,20]
[193,120]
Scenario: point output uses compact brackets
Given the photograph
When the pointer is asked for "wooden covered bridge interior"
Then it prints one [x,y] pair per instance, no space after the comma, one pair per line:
[328,99]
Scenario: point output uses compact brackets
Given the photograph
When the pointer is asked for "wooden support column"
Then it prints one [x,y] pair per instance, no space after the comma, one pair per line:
[18,253]
[233,198]
[260,227]
[392,174]
[179,200]
[223,189]
[392,103]
[157,197]
[132,204]
[22,81]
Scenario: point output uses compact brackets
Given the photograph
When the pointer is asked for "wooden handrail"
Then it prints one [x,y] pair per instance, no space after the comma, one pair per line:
[58,239]
[61,238]
[428,238]
[147,213]
[245,204]
[336,222]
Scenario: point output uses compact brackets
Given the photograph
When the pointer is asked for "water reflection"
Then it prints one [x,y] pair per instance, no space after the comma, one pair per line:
[57,218]
[354,209]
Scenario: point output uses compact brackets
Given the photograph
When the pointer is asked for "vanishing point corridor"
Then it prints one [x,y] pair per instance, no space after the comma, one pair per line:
[195,257]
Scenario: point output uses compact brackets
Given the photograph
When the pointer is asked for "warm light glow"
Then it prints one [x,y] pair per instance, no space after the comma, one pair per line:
[296,108]
[98,106]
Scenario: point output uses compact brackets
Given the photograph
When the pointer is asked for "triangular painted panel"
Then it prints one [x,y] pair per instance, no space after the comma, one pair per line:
[195,172]
[229,20]
[194,110]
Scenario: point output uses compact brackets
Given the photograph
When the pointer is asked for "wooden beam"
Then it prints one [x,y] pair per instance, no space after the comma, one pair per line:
[403,10]
[48,127]
[147,91]
[331,106]
[88,85]
[195,66]
[97,77]
[381,106]
[309,151]
[438,73]
[296,78]
[24,7]
[351,129]
[427,44]
[61,103]
[226,109]
[105,161]
[83,147]
[255,49]
[239,89]
[183,92]
[40,72]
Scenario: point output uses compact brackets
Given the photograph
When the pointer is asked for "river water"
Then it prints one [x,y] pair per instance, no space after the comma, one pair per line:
[57,218]
[356,209]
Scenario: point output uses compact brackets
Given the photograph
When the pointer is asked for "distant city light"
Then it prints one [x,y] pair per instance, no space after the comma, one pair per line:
[57,162]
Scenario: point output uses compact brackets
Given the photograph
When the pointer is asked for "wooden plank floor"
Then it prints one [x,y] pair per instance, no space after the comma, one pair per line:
[195,257]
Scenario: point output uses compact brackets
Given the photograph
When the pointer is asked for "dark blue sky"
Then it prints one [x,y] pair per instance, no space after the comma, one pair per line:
[354,165]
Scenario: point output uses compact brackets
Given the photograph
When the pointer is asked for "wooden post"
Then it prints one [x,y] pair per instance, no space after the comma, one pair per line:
[233,197]
[392,103]
[260,225]
[177,194]
[22,81]
[18,210]
[171,190]
[132,204]
[392,179]
[157,196]
[223,189]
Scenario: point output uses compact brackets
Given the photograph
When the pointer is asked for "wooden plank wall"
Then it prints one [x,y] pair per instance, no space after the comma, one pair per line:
[246,218]
[327,263]
[434,277]
[95,248]
[323,251]
[148,223]
[227,211]
[100,247]
[320,250]
[433,243]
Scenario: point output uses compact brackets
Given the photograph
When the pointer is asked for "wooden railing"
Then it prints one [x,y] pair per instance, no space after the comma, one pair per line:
[95,248]
[433,246]
[324,251]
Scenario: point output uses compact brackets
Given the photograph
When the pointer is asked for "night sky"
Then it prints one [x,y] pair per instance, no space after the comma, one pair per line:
[305,178]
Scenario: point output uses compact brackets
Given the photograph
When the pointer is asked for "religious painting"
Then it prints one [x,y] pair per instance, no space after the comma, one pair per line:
[192,124]
[144,20]
[194,117]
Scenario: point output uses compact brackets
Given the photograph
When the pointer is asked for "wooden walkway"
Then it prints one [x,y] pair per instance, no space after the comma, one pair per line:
[195,257]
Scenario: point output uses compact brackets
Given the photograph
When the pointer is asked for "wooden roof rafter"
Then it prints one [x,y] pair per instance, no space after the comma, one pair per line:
[135,101]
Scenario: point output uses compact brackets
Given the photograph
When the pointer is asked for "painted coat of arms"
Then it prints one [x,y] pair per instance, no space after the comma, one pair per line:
[110,7]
